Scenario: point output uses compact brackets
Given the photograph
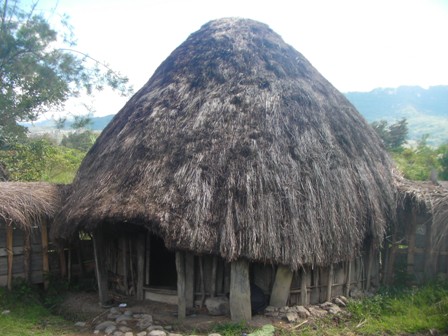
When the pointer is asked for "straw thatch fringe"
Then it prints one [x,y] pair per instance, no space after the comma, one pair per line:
[27,204]
[237,146]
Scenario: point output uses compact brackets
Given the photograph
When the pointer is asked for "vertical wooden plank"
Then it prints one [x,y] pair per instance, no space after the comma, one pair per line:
[411,243]
[370,257]
[100,267]
[148,258]
[213,277]
[189,285]
[201,272]
[429,268]
[45,263]
[303,287]
[281,287]
[240,306]
[124,263]
[180,267]
[62,261]
[27,256]
[140,265]
[348,280]
[330,282]
[10,252]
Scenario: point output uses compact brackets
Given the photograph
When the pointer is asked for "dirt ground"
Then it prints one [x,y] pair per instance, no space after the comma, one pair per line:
[84,306]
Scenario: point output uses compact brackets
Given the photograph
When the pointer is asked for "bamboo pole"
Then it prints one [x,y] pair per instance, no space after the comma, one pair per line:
[45,263]
[10,251]
[27,257]
[180,267]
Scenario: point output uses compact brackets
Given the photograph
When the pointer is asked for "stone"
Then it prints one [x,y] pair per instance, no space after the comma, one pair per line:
[154,327]
[110,329]
[284,309]
[168,328]
[118,333]
[124,329]
[339,302]
[270,309]
[334,310]
[129,333]
[317,312]
[326,305]
[96,332]
[217,306]
[214,334]
[80,324]
[142,333]
[292,317]
[171,334]
[281,287]
[272,314]
[343,299]
[128,313]
[157,333]
[123,318]
[144,321]
[302,312]
[6,312]
[103,325]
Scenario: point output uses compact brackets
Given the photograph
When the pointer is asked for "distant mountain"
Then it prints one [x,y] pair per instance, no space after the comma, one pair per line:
[98,123]
[425,109]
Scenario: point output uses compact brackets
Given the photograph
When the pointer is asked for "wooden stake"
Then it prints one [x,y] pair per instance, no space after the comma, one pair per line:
[348,279]
[180,267]
[201,271]
[45,263]
[369,266]
[62,261]
[10,251]
[303,288]
[330,282]
[240,306]
[100,267]
[124,261]
[189,285]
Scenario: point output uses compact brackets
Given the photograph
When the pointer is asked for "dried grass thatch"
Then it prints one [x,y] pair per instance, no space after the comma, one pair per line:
[26,204]
[427,197]
[237,146]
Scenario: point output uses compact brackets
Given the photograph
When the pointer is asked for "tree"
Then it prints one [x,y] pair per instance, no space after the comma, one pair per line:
[36,75]
[394,135]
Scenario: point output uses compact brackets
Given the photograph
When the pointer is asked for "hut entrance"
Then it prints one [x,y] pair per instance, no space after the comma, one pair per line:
[162,265]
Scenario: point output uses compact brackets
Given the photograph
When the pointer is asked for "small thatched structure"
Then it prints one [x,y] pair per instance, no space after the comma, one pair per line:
[419,239]
[238,148]
[26,209]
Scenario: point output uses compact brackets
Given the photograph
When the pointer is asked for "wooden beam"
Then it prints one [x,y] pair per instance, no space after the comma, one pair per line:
[9,250]
[240,306]
[189,285]
[281,287]
[330,282]
[303,287]
[100,267]
[181,279]
[124,263]
[140,265]
[45,263]
[213,277]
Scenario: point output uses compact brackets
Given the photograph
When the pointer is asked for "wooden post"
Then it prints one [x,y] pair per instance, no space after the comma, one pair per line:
[10,252]
[27,256]
[45,263]
[303,288]
[189,285]
[62,260]
[240,306]
[201,273]
[330,282]
[180,267]
[213,277]
[100,267]
[348,279]
[369,266]
[281,287]
[140,266]
[124,263]
[429,269]
[148,259]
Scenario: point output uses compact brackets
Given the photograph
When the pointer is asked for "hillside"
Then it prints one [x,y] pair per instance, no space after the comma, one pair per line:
[425,109]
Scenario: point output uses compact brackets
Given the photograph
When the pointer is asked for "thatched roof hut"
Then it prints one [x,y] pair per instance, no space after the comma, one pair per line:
[237,146]
[27,204]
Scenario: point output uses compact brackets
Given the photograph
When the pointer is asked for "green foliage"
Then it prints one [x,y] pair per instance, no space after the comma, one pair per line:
[417,163]
[40,160]
[36,75]
[79,140]
[394,135]
[232,329]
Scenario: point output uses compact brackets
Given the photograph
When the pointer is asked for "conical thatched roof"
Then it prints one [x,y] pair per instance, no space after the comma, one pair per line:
[237,146]
[26,204]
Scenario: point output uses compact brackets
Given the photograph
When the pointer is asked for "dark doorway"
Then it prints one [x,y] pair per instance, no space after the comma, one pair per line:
[162,265]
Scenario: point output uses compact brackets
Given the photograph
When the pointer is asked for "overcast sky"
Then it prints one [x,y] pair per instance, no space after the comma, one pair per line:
[358,45]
